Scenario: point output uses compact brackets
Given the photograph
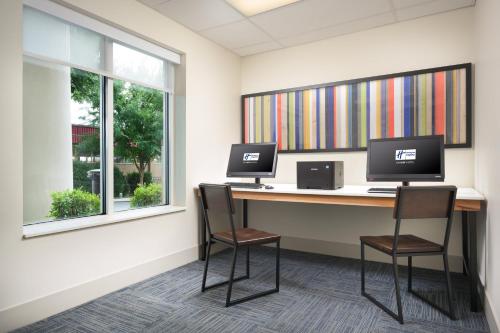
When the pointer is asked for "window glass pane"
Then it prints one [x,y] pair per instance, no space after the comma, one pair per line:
[50,38]
[137,66]
[139,130]
[47,36]
[61,142]
[87,48]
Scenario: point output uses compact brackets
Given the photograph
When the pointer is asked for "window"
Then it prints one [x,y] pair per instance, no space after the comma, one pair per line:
[95,113]
[62,147]
[139,133]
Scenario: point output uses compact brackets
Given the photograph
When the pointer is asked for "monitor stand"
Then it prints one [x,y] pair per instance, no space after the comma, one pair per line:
[255,185]
[386,190]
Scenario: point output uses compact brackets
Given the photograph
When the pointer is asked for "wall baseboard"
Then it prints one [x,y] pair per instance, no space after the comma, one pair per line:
[491,315]
[46,306]
[353,251]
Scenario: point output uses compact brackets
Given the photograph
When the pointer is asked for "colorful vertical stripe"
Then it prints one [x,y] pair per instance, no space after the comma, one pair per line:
[347,116]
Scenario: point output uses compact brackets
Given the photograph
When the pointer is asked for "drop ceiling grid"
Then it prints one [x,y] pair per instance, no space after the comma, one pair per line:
[294,24]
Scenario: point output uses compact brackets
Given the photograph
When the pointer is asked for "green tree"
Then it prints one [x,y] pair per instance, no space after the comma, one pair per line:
[138,117]
[85,88]
[138,124]
[89,146]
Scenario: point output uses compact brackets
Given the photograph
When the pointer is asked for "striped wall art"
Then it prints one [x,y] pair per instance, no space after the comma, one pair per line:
[345,115]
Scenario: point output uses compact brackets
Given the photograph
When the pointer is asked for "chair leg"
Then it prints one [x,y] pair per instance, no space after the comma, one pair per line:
[448,287]
[362,268]
[410,273]
[451,311]
[231,277]
[248,262]
[277,266]
[207,256]
[399,316]
[262,293]
[398,292]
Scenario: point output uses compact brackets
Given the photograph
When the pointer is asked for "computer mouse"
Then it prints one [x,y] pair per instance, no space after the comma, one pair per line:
[268,187]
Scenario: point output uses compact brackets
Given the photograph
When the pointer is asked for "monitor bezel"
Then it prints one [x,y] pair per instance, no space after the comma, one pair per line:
[254,174]
[406,177]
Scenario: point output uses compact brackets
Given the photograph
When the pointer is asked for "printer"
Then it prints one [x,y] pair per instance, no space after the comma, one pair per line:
[322,175]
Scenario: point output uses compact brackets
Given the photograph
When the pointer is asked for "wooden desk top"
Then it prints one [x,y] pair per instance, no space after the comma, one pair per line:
[468,199]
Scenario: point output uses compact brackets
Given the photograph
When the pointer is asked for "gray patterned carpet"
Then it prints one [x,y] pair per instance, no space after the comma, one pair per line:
[318,294]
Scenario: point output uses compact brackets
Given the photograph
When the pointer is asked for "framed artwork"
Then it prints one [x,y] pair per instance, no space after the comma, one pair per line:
[343,116]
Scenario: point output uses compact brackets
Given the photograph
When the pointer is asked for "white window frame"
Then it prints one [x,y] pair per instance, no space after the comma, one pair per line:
[109,216]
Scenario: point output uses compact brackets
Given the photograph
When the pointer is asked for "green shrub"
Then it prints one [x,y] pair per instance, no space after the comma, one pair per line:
[120,183]
[81,180]
[147,195]
[74,203]
[133,180]
[80,177]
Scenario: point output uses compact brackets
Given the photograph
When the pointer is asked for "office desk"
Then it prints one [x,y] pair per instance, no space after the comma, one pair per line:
[468,202]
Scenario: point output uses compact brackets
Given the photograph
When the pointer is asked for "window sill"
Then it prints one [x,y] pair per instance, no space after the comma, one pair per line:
[47,228]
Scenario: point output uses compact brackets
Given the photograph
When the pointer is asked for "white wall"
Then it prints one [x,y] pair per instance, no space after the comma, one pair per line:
[487,72]
[45,275]
[432,41]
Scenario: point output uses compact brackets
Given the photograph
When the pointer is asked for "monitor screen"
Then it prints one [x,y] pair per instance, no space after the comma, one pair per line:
[252,160]
[404,159]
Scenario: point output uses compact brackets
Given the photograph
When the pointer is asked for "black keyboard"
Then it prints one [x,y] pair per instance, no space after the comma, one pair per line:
[245,185]
[389,190]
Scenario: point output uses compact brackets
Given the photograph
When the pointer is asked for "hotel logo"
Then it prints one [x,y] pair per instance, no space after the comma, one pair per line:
[251,157]
[406,154]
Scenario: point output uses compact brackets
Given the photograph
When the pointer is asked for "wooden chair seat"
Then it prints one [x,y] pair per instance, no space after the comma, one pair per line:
[217,202]
[406,244]
[414,203]
[247,236]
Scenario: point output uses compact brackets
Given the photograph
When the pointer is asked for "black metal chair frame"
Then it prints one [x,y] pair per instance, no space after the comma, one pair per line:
[444,253]
[236,247]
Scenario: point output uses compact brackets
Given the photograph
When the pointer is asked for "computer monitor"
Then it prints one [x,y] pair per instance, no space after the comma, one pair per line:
[419,158]
[256,160]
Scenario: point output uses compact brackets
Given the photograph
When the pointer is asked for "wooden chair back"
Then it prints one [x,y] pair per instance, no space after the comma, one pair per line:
[218,205]
[424,202]
[421,202]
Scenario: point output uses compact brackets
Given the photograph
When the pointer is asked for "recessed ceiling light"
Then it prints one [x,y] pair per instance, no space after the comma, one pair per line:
[254,7]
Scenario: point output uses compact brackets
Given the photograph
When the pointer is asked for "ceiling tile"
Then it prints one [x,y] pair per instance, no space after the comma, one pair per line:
[153,3]
[342,29]
[254,7]
[298,23]
[200,14]
[257,48]
[408,3]
[236,35]
[430,8]
[309,15]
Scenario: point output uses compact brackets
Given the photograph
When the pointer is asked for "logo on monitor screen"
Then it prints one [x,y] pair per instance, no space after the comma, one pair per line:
[406,154]
[251,157]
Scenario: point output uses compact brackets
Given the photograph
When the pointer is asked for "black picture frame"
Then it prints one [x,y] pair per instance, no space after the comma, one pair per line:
[468,103]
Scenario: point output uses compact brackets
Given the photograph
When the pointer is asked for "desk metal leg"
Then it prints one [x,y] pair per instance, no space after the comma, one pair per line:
[245,225]
[470,257]
[203,228]
[465,242]
[245,213]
